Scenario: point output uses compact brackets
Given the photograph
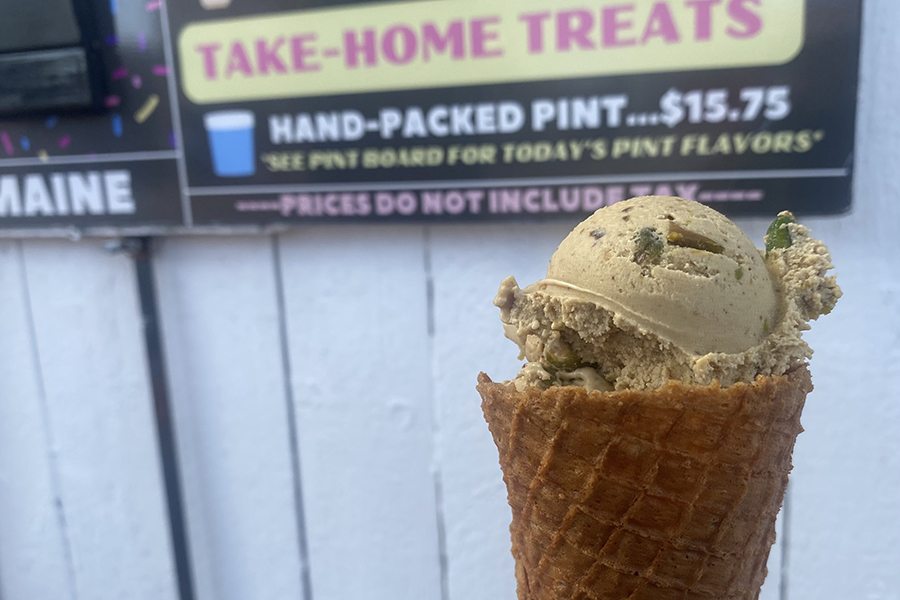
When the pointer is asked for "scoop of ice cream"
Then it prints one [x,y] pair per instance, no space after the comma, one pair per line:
[659,288]
[674,267]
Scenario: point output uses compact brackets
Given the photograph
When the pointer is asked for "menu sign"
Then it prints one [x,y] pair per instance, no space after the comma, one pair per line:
[289,111]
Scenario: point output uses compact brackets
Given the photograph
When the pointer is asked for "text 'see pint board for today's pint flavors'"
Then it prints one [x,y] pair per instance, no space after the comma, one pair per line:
[228,113]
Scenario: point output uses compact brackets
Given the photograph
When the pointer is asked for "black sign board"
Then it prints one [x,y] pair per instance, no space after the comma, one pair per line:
[229,113]
[109,170]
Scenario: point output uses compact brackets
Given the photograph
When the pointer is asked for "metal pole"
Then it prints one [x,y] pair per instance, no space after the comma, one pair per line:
[140,250]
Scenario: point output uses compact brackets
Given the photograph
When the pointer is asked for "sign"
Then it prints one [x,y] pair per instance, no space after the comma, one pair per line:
[233,113]
[112,171]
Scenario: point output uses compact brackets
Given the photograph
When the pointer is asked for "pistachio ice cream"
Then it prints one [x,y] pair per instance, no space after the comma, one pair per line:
[646,443]
[660,288]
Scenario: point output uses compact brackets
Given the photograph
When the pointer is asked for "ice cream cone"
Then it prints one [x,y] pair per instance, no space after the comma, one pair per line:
[645,494]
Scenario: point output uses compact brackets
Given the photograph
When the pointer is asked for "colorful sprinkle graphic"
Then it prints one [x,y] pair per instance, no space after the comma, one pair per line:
[117,125]
[144,112]
[128,73]
[7,143]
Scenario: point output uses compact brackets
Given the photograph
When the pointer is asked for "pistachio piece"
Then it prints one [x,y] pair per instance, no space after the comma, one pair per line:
[560,355]
[648,246]
[739,273]
[679,236]
[597,234]
[778,235]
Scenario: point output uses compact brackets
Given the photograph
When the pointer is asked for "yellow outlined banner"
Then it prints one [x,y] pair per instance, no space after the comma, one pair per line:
[441,43]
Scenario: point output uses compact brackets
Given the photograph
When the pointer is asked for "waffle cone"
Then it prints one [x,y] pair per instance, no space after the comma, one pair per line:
[660,494]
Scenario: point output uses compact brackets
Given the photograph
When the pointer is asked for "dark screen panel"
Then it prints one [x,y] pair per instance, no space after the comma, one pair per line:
[35,24]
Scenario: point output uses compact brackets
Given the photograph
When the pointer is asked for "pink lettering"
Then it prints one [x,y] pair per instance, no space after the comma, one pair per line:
[325,205]
[531,200]
[433,41]
[288,204]
[267,58]
[661,24]
[360,51]
[451,202]
[569,199]
[702,18]
[615,193]
[548,202]
[534,30]
[209,59]
[302,50]
[484,32]
[641,189]
[573,28]
[614,23]
[750,21]
[399,44]
[238,61]
[387,203]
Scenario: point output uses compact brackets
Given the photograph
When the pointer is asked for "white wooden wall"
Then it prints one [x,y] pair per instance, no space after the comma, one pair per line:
[331,441]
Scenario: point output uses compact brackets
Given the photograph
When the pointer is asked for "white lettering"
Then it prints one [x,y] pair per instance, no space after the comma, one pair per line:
[119,199]
[410,122]
[280,127]
[61,194]
[37,196]
[87,193]
[10,202]
[415,124]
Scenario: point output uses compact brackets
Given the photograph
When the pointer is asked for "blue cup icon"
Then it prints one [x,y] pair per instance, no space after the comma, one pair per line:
[230,134]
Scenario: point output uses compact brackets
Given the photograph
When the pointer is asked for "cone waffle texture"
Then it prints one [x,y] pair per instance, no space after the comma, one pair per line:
[660,494]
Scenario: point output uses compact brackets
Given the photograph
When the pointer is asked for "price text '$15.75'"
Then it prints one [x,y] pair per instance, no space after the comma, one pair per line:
[714,106]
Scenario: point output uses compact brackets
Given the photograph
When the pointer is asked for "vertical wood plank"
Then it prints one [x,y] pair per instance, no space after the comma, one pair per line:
[356,311]
[468,264]
[221,326]
[88,338]
[33,552]
[845,516]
